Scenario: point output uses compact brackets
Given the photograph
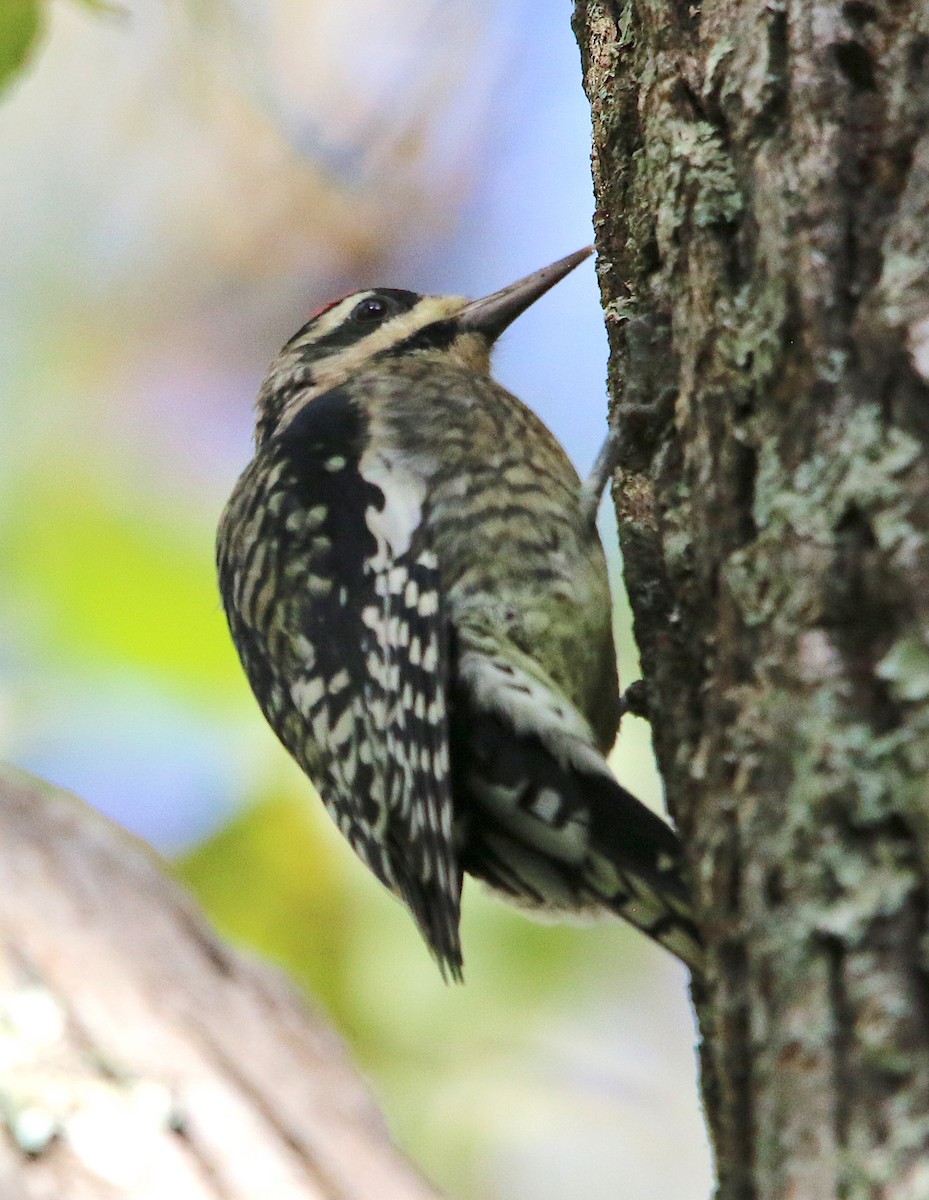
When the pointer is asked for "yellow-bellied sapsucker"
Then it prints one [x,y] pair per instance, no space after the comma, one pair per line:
[414,582]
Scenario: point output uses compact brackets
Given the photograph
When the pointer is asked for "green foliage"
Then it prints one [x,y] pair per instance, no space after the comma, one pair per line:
[279,879]
[21,26]
[269,882]
[114,582]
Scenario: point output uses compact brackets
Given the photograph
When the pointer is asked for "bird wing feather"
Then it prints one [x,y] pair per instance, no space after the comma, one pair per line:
[559,832]
[367,670]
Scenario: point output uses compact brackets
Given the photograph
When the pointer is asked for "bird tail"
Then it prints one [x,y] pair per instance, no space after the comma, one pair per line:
[568,838]
[634,866]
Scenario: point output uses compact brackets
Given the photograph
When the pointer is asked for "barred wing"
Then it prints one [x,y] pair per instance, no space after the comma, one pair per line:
[340,623]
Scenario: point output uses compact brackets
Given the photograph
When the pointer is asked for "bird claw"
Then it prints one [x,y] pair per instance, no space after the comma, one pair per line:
[600,475]
[635,700]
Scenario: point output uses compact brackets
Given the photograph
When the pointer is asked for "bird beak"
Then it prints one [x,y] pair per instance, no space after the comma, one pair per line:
[491,315]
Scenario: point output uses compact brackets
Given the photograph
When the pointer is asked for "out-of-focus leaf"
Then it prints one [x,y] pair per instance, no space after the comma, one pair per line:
[279,880]
[269,880]
[106,6]
[115,583]
[21,25]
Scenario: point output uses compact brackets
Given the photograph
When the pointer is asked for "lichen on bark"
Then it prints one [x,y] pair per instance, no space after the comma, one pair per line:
[762,181]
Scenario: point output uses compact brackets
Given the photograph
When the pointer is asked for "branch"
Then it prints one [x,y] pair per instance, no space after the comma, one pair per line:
[139,1055]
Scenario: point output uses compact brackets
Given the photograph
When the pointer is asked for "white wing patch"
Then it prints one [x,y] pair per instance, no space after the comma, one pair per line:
[529,704]
[395,524]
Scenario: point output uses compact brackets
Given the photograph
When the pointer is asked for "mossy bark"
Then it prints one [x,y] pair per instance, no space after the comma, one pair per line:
[762,180]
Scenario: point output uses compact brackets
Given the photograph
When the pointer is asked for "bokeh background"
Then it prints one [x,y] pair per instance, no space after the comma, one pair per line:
[181,183]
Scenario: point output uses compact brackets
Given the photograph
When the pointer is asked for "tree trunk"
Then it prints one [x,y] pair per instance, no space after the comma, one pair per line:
[762,180]
[139,1056]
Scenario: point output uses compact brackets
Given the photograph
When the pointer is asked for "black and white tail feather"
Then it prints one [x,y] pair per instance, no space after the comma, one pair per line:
[551,827]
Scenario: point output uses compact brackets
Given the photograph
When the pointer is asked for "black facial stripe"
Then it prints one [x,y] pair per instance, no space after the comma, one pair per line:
[437,336]
[398,300]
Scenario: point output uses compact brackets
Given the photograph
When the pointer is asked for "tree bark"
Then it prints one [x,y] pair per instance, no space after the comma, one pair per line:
[762,180]
[139,1056]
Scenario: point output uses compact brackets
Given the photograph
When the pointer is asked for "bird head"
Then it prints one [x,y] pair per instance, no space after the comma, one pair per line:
[346,336]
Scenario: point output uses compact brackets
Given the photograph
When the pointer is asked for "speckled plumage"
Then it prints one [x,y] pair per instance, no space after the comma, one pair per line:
[419,598]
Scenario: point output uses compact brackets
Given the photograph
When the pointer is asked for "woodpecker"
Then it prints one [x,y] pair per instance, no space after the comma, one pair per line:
[414,582]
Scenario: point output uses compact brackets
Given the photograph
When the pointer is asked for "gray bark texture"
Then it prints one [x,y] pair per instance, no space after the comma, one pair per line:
[142,1059]
[762,179]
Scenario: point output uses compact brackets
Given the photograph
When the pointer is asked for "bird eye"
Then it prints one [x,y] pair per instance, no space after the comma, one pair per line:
[372,308]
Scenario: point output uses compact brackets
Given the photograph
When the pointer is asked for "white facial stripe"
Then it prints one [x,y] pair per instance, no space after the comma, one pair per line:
[330,371]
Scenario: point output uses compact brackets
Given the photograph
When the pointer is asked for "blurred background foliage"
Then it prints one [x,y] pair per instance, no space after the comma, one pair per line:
[181,183]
